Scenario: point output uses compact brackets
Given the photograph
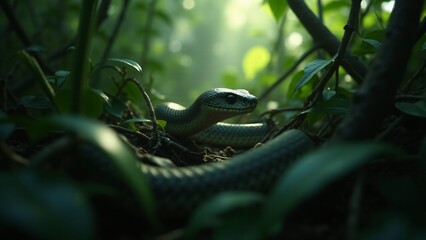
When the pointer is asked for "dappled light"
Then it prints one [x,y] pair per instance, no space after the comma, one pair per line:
[231,119]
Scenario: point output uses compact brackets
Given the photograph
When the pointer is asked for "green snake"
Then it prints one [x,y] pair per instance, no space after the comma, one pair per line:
[201,121]
[179,189]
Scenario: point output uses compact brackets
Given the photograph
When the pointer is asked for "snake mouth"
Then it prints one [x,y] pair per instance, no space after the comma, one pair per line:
[232,110]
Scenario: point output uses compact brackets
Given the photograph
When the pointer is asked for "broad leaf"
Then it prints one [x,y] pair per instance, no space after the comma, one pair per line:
[278,7]
[93,102]
[334,105]
[128,62]
[311,70]
[417,109]
[374,43]
[117,151]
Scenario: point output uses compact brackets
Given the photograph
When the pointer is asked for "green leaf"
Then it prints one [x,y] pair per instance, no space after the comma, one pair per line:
[164,17]
[417,109]
[127,62]
[162,123]
[35,102]
[311,70]
[92,102]
[115,107]
[60,77]
[44,206]
[334,105]
[278,7]
[211,212]
[118,152]
[328,94]
[314,172]
[374,43]
[256,59]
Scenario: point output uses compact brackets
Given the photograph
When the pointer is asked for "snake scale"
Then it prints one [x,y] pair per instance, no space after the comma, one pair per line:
[177,190]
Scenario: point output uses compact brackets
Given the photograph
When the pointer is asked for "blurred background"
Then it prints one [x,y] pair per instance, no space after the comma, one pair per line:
[185,46]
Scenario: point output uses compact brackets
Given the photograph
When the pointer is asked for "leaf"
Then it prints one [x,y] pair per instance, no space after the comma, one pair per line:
[92,102]
[164,17]
[60,77]
[118,152]
[35,102]
[210,213]
[311,70]
[328,94]
[115,107]
[127,62]
[314,172]
[44,206]
[334,105]
[256,59]
[278,7]
[374,43]
[417,109]
[162,123]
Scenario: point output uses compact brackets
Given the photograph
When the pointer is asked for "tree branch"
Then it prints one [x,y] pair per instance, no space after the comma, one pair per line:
[374,99]
[326,39]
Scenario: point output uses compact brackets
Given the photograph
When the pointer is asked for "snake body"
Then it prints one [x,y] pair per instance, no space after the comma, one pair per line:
[179,189]
[200,120]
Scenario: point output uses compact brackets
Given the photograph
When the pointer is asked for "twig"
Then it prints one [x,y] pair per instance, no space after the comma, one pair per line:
[417,74]
[7,154]
[280,110]
[350,27]
[287,73]
[328,41]
[156,134]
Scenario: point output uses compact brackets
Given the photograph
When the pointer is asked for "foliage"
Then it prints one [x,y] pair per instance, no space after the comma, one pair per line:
[78,90]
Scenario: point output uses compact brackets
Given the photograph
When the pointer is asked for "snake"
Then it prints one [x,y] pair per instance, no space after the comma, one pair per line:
[178,190]
[202,120]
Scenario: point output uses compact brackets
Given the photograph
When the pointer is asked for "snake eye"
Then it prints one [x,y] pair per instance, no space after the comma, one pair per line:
[231,98]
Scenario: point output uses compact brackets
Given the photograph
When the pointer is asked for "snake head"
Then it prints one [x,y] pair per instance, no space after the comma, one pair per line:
[228,102]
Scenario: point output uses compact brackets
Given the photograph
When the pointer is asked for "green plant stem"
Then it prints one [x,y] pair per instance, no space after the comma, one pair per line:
[80,73]
[156,135]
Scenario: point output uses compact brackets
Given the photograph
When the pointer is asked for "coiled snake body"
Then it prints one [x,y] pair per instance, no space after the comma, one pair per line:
[178,189]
